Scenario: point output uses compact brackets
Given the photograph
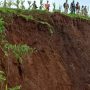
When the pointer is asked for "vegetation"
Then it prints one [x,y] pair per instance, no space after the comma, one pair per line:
[3,80]
[17,3]
[2,36]
[19,9]
[1,26]
[27,17]
[2,77]
[54,6]
[18,50]
[29,3]
[49,26]
[22,4]
[4,4]
[15,88]
[9,4]
[76,16]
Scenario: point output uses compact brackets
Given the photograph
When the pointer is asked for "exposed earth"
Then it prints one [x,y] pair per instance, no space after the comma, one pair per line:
[61,60]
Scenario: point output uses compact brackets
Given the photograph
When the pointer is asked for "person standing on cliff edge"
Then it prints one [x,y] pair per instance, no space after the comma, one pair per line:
[47,6]
[66,7]
[72,7]
[34,5]
[85,11]
[77,8]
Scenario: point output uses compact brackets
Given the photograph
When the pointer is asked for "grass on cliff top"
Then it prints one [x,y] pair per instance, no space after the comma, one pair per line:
[76,16]
[20,11]
[26,12]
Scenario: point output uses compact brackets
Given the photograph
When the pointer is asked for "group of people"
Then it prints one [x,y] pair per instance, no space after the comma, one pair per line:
[75,8]
[34,6]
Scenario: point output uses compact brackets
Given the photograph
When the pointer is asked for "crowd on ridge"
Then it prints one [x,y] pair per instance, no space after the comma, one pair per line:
[74,8]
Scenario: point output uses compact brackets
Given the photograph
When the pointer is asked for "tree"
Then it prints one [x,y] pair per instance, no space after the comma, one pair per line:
[22,4]
[17,4]
[54,6]
[4,4]
[29,3]
[9,3]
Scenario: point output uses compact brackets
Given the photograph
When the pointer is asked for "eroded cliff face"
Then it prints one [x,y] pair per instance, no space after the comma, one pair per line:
[61,60]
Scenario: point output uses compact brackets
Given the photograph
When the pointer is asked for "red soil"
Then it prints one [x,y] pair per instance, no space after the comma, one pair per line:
[62,60]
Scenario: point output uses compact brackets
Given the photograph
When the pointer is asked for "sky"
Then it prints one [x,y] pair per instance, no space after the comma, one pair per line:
[60,2]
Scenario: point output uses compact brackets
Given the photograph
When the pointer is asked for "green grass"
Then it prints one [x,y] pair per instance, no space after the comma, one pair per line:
[1,26]
[76,16]
[18,50]
[2,77]
[24,12]
[15,88]
[29,17]
[2,29]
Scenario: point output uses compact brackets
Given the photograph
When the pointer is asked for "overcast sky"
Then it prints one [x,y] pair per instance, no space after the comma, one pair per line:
[60,2]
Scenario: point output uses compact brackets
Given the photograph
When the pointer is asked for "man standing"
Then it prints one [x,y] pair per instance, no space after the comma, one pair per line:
[85,11]
[41,4]
[47,6]
[72,7]
[34,5]
[66,6]
[77,8]
[82,10]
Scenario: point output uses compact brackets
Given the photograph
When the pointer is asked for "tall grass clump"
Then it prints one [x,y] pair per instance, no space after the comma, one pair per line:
[2,30]
[18,50]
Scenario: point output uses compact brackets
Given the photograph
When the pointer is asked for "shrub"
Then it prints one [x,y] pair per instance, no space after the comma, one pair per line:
[15,88]
[22,4]
[18,50]
[2,77]
[27,17]
[2,36]
[1,26]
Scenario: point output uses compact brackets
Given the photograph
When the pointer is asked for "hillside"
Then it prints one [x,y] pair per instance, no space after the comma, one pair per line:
[61,56]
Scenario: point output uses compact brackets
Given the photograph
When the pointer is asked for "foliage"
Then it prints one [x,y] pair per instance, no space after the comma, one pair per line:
[2,36]
[2,77]
[9,3]
[17,3]
[29,3]
[42,22]
[1,25]
[4,4]
[23,49]
[22,4]
[49,26]
[15,88]
[76,16]
[27,17]
[18,50]
[54,6]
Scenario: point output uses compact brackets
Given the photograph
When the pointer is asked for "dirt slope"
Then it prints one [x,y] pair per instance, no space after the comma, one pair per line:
[61,60]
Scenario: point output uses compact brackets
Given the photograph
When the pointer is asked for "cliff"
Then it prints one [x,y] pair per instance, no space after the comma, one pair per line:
[61,60]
